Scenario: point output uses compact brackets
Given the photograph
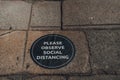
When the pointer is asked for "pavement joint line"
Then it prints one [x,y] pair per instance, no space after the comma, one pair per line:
[93,29]
[48,0]
[61,8]
[27,37]
[82,29]
[12,30]
[26,40]
[45,30]
[6,33]
[89,60]
[77,29]
[93,26]
[70,74]
[30,18]
[64,75]
[99,24]
[64,29]
[43,26]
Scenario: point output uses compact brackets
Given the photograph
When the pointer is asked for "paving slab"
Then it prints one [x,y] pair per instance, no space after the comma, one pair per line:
[76,12]
[14,15]
[80,63]
[105,50]
[90,12]
[4,78]
[11,52]
[97,77]
[46,78]
[46,15]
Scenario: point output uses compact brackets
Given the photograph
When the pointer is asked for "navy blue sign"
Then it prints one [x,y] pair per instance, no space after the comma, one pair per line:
[52,51]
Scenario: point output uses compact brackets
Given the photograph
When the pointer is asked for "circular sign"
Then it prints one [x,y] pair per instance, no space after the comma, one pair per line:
[52,51]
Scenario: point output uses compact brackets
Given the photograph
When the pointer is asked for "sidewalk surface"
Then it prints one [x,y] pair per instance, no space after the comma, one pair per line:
[92,25]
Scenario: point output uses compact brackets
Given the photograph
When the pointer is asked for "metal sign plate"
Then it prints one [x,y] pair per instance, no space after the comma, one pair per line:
[52,51]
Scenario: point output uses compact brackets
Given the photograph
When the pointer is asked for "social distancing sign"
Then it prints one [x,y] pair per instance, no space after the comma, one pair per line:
[52,51]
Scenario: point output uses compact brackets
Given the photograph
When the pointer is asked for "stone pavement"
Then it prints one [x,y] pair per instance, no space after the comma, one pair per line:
[92,25]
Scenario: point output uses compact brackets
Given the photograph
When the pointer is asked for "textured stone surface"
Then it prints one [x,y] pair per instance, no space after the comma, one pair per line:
[87,12]
[14,14]
[105,12]
[76,12]
[11,52]
[46,78]
[105,50]
[103,77]
[46,14]
[80,63]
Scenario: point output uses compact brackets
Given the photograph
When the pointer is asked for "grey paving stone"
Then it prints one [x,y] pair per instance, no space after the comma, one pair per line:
[14,14]
[46,78]
[90,12]
[76,12]
[105,50]
[105,11]
[80,63]
[11,52]
[46,14]
[98,77]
